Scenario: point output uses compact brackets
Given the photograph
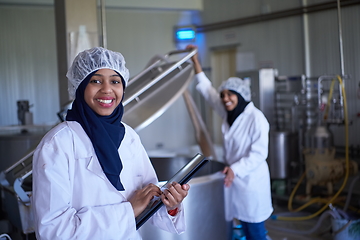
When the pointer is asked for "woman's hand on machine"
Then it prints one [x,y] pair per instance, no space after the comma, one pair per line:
[195,59]
[190,47]
[229,176]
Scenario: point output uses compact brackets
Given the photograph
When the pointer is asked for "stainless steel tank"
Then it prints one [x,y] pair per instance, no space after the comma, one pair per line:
[283,151]
[16,142]
[204,205]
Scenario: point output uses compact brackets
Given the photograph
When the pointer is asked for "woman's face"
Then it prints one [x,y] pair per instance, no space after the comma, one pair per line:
[104,91]
[229,99]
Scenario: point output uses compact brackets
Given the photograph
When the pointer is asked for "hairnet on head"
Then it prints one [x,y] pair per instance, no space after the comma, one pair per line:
[238,85]
[92,60]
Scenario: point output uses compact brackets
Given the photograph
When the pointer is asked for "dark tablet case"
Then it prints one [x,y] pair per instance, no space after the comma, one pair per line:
[182,176]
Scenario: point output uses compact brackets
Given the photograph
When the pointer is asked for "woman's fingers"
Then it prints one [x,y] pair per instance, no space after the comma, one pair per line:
[171,197]
[142,197]
[174,194]
[229,176]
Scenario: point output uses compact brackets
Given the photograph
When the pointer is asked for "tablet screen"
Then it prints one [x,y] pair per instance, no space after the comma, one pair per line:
[181,177]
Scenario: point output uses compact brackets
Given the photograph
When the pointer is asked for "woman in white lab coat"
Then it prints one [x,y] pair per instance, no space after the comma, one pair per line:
[246,137]
[91,174]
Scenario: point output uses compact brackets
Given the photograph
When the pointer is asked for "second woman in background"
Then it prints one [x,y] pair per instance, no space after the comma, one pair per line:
[245,138]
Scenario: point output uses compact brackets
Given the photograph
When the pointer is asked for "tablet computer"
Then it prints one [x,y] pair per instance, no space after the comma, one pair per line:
[181,177]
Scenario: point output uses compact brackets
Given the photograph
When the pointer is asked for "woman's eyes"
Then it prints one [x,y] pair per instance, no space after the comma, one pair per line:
[99,81]
[222,95]
[94,81]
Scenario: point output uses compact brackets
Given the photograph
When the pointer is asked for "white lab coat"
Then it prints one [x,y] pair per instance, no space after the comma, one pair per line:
[245,151]
[72,197]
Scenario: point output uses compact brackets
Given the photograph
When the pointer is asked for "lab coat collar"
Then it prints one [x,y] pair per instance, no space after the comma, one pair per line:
[95,167]
[246,111]
[248,108]
[85,150]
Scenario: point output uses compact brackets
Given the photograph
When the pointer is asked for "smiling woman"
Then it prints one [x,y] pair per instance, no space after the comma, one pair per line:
[91,174]
[245,132]
[104,91]
[230,100]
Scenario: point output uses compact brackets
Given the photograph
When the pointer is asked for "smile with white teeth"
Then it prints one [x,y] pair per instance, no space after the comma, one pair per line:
[228,103]
[104,101]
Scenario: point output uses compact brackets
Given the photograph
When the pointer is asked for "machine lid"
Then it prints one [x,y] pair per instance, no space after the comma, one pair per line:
[150,93]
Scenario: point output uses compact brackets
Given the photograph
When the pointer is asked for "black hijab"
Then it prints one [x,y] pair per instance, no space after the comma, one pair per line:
[232,115]
[105,133]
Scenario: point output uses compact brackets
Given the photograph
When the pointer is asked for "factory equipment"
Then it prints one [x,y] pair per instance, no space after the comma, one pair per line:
[262,83]
[161,78]
[64,109]
[295,110]
[304,110]
[322,166]
[16,190]
[16,141]
[283,154]
[148,95]
[169,79]
[23,112]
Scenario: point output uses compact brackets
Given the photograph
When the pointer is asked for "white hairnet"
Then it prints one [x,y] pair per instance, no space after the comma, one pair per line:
[238,85]
[91,60]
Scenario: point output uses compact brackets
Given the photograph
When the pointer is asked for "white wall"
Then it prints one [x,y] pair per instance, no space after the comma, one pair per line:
[28,69]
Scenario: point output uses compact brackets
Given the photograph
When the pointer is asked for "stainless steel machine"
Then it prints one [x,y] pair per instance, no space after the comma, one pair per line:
[262,84]
[166,76]
[305,109]
[300,110]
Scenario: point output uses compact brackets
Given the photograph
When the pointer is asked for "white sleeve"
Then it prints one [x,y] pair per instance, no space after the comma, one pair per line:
[172,224]
[210,94]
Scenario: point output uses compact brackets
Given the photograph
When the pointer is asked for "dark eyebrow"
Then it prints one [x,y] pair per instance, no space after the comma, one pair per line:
[100,75]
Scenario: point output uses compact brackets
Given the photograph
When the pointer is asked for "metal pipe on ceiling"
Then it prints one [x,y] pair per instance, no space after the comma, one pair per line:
[276,15]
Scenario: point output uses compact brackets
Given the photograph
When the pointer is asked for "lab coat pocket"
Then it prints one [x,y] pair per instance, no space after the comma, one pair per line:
[138,182]
[132,186]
